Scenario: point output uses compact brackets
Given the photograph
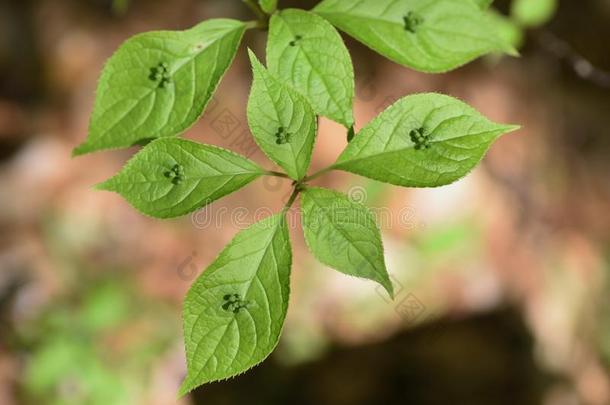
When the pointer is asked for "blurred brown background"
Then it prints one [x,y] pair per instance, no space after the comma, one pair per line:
[502,279]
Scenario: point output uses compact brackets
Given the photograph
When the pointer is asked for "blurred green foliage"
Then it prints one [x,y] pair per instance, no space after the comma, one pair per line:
[524,14]
[95,346]
[532,13]
[120,6]
[507,29]
[450,241]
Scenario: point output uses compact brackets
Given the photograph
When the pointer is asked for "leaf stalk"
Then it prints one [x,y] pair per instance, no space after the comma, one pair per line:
[318,173]
[263,18]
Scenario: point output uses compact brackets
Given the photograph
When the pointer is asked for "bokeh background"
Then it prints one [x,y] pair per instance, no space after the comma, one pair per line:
[502,279]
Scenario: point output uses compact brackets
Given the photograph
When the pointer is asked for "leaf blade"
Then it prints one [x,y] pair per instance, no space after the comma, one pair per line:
[531,14]
[151,86]
[484,4]
[171,177]
[431,36]
[305,50]
[245,291]
[286,131]
[342,234]
[268,6]
[456,135]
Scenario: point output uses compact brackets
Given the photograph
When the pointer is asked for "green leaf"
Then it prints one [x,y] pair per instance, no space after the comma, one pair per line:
[282,121]
[533,13]
[157,84]
[484,4]
[427,35]
[171,177]
[234,312]
[307,52]
[343,234]
[268,6]
[507,28]
[423,140]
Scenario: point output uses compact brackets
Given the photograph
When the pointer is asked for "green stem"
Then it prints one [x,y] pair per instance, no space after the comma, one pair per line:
[263,18]
[319,173]
[293,197]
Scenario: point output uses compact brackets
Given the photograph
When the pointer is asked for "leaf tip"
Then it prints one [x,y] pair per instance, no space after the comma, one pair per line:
[511,128]
[185,387]
[512,51]
[107,185]
[253,59]
[80,150]
[387,285]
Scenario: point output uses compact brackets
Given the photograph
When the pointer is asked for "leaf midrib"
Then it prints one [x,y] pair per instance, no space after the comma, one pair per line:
[193,178]
[340,162]
[180,63]
[318,73]
[342,232]
[264,251]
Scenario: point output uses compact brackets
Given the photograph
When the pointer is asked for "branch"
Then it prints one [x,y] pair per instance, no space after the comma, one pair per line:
[318,174]
[293,197]
[580,65]
[263,18]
